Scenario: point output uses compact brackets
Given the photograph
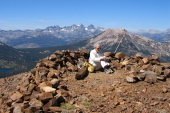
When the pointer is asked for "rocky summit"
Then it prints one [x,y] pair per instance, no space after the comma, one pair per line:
[58,85]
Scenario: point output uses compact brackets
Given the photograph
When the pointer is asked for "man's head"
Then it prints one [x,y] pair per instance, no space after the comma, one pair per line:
[97,47]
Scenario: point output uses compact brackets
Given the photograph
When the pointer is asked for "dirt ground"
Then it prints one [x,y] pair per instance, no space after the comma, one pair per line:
[111,93]
[107,93]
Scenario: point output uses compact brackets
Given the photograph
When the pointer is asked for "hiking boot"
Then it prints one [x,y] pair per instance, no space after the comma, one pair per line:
[108,71]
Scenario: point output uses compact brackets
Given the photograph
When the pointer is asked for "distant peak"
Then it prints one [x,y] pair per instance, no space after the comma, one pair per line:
[115,31]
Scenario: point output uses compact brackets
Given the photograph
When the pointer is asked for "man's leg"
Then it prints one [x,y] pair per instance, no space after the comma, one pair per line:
[96,65]
[106,67]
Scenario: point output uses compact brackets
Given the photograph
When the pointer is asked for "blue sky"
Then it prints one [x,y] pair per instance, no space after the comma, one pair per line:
[129,14]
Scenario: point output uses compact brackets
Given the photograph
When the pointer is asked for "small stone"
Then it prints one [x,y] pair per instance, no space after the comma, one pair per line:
[120,55]
[18,109]
[34,103]
[44,84]
[16,96]
[56,101]
[55,109]
[164,90]
[1,100]
[130,79]
[107,54]
[162,78]
[167,73]
[52,57]
[141,76]
[154,57]
[145,60]
[48,89]
[25,83]
[138,55]
[55,82]
[31,87]
[154,103]
[45,96]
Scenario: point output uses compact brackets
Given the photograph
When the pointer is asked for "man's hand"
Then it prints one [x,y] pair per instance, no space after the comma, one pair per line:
[103,59]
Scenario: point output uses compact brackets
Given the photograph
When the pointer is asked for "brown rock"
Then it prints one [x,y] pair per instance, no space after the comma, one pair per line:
[166,65]
[22,89]
[154,57]
[141,75]
[52,57]
[50,64]
[38,79]
[25,83]
[81,73]
[120,55]
[116,65]
[131,77]
[138,55]
[44,84]
[51,74]
[73,68]
[59,53]
[16,96]
[26,98]
[27,111]
[18,109]
[55,82]
[167,73]
[157,69]
[145,60]
[125,62]
[35,94]
[56,101]
[2,81]
[73,54]
[107,54]
[70,60]
[34,103]
[1,100]
[44,96]
[55,109]
[140,62]
[31,87]
[48,89]
[162,78]
[43,71]
[147,67]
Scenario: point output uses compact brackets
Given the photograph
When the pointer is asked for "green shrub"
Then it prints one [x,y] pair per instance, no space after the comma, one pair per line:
[67,106]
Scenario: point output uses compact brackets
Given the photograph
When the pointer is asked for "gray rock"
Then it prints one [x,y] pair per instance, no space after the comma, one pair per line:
[151,77]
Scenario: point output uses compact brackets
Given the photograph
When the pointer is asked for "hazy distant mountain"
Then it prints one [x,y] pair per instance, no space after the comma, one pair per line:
[51,36]
[160,36]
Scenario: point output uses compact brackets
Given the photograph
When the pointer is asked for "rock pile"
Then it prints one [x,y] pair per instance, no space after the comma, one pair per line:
[141,69]
[40,90]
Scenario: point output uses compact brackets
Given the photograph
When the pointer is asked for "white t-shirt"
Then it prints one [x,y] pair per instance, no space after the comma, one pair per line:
[95,59]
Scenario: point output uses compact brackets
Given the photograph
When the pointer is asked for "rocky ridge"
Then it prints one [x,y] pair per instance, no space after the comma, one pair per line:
[137,85]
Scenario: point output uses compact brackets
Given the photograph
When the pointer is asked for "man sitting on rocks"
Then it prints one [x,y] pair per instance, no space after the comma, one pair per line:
[98,60]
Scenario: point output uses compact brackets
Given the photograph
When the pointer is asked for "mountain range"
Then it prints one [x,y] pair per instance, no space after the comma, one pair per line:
[160,36]
[50,36]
